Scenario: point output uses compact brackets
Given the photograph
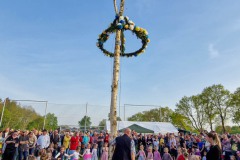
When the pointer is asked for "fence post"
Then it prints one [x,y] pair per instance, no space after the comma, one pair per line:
[4,104]
[44,122]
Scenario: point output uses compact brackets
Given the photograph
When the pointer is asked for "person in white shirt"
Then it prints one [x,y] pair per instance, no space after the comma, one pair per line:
[43,140]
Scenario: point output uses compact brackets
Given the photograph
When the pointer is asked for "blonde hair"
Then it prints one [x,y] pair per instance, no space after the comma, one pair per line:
[44,156]
[31,157]
[185,153]
[150,147]
[232,158]
[218,142]
[165,149]
[195,157]
[215,138]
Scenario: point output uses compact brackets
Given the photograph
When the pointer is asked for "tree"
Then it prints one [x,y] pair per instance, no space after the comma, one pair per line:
[235,101]
[154,115]
[210,110]
[191,107]
[181,122]
[51,121]
[235,130]
[221,100]
[219,129]
[85,121]
[102,124]
[17,116]
[36,124]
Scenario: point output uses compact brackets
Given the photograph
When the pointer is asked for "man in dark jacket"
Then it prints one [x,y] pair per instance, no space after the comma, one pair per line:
[123,150]
[55,137]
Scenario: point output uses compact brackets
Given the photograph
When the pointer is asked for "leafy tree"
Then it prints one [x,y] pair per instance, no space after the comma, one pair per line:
[192,108]
[17,116]
[85,120]
[36,124]
[221,100]
[102,124]
[235,101]
[219,129]
[153,115]
[51,121]
[210,110]
[235,130]
[181,122]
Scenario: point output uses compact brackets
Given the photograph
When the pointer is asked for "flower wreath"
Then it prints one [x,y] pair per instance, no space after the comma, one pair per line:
[123,23]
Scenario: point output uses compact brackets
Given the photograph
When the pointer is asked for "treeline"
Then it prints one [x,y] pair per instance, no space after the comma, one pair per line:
[214,106]
[24,117]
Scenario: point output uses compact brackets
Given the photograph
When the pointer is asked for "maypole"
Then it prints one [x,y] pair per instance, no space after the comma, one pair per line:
[116,68]
[118,26]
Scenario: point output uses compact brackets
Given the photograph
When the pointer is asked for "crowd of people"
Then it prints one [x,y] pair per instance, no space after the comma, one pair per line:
[94,145]
[44,145]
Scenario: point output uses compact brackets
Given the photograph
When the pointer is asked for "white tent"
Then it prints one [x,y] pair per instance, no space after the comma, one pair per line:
[157,127]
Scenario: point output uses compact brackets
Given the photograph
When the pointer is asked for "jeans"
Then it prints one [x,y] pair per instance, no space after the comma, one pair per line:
[31,151]
[22,154]
[227,155]
[99,151]
[16,154]
[71,152]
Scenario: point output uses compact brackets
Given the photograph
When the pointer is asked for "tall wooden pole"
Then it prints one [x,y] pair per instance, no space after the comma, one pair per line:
[113,110]
[116,68]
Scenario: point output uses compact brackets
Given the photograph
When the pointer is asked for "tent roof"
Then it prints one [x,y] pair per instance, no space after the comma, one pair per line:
[139,129]
[157,127]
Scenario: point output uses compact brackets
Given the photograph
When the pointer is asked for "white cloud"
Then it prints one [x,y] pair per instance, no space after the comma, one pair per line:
[213,52]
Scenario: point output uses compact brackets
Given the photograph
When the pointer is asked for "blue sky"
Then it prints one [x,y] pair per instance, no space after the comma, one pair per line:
[48,50]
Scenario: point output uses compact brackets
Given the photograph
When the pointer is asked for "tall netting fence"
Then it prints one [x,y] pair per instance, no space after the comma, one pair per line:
[71,114]
[128,110]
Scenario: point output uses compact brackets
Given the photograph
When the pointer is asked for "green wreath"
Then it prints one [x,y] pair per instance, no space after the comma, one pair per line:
[123,24]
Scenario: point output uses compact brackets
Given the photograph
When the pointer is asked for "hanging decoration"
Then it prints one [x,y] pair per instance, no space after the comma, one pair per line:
[123,23]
